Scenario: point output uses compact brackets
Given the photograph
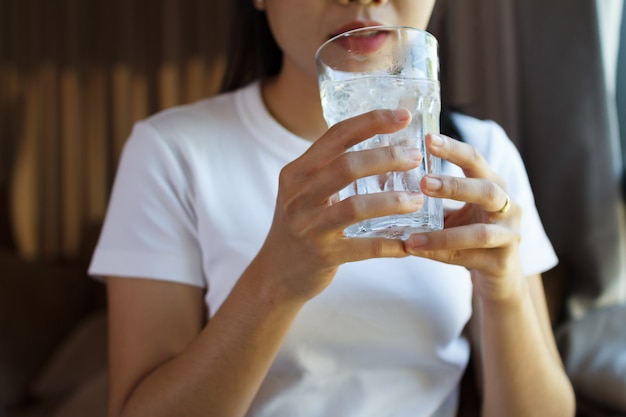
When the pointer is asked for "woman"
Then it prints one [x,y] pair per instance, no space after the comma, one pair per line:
[233,291]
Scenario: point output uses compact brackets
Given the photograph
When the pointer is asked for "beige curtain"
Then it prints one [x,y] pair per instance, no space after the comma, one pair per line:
[74,76]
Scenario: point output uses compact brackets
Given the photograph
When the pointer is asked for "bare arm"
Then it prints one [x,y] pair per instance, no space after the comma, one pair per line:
[163,363]
[518,365]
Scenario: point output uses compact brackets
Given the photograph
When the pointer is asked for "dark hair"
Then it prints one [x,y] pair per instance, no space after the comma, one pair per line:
[254,54]
[252,51]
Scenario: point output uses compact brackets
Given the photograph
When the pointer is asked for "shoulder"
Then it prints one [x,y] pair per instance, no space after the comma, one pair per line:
[476,131]
[487,136]
[189,128]
[195,117]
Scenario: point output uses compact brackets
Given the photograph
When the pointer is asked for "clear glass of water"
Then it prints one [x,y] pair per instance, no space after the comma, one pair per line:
[386,67]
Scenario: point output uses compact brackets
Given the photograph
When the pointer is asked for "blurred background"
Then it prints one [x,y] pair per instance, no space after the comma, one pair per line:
[75,75]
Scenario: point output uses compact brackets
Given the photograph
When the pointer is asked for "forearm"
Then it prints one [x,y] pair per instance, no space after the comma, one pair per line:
[220,372]
[522,375]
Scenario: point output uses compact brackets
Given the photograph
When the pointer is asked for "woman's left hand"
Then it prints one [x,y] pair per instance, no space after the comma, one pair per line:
[483,236]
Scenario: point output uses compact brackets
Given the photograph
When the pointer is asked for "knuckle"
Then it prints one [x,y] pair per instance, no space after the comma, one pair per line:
[405,202]
[349,164]
[399,199]
[379,117]
[287,175]
[377,249]
[352,208]
[484,235]
[337,131]
[474,154]
[394,154]
[454,186]
[492,190]
[454,257]
[401,156]
[501,262]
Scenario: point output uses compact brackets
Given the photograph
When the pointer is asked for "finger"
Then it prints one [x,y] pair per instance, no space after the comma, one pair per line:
[344,135]
[489,261]
[483,192]
[361,207]
[466,156]
[473,236]
[359,249]
[351,166]
[485,250]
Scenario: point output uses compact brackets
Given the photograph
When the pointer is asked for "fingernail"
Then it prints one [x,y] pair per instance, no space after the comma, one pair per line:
[433,184]
[401,114]
[436,140]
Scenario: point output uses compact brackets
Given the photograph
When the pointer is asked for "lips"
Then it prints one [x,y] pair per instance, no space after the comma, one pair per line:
[363,42]
[357,24]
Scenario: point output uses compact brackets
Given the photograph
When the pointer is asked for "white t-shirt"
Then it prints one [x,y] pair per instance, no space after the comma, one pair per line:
[192,203]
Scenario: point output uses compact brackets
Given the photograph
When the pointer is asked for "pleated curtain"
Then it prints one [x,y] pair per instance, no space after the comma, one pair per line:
[74,76]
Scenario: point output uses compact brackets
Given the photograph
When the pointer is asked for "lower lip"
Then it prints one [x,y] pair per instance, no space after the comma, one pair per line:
[363,44]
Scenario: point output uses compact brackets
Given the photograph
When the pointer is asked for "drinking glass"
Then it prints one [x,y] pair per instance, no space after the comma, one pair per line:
[386,67]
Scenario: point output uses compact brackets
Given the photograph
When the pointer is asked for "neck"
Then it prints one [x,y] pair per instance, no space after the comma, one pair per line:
[293,99]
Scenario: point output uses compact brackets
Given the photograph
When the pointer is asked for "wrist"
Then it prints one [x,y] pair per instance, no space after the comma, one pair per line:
[508,295]
[280,282]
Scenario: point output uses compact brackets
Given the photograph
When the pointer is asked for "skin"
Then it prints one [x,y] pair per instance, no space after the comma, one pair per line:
[157,329]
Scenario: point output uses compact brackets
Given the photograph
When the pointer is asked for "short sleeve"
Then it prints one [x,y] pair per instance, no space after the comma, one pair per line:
[536,251]
[150,227]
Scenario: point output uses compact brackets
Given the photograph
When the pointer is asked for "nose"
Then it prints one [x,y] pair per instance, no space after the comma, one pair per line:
[363,2]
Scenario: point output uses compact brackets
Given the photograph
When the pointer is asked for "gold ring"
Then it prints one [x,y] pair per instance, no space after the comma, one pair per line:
[506,207]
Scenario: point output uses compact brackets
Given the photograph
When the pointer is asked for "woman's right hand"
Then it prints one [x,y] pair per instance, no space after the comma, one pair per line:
[306,244]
